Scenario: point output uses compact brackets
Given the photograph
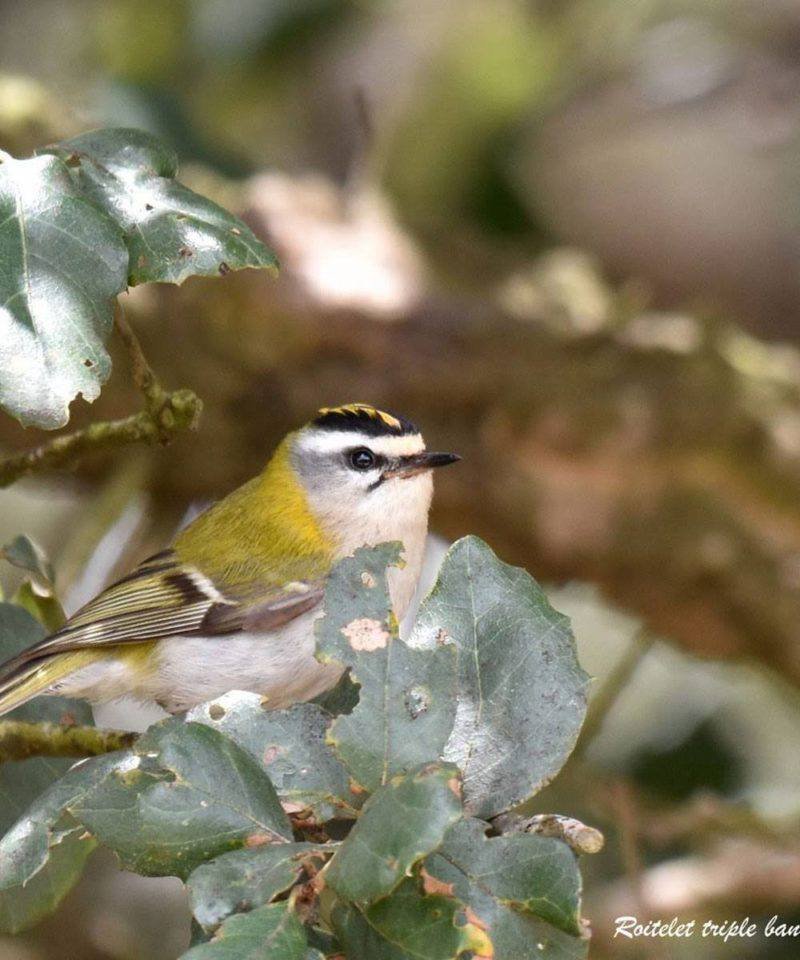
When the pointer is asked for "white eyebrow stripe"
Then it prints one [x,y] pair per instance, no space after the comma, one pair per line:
[331,441]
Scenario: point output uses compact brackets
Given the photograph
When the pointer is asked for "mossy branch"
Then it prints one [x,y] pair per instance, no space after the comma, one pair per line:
[165,413]
[20,740]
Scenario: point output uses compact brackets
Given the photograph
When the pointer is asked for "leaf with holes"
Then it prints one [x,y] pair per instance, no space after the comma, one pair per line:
[183,795]
[521,692]
[401,823]
[406,704]
[243,879]
[62,262]
[290,746]
[523,888]
[172,233]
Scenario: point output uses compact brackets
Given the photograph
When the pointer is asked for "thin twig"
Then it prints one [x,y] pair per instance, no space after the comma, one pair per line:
[164,414]
[141,371]
[20,740]
[180,411]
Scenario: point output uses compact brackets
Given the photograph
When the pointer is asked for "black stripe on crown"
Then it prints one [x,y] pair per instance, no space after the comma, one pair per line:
[363,418]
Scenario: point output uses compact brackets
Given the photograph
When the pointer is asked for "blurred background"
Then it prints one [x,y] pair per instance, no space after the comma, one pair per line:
[564,237]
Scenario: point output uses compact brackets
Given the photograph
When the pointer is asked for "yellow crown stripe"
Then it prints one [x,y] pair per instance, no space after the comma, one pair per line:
[373,412]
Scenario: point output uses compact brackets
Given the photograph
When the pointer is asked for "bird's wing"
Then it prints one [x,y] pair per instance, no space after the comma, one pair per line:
[164,597]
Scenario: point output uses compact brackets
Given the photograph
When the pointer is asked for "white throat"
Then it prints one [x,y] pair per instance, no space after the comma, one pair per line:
[397,510]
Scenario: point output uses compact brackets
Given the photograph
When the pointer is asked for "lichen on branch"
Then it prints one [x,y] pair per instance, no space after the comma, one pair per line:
[21,739]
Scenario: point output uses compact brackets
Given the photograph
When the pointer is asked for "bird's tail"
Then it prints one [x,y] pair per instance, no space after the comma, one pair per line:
[22,681]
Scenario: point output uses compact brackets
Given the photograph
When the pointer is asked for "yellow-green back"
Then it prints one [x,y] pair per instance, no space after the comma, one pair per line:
[261,535]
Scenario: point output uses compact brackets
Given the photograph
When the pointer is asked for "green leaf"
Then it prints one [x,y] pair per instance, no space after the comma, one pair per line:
[243,879]
[44,852]
[290,746]
[524,888]
[521,691]
[409,925]
[172,233]
[400,824]
[37,596]
[62,262]
[269,933]
[321,943]
[26,554]
[22,907]
[406,701]
[21,783]
[183,795]
[41,604]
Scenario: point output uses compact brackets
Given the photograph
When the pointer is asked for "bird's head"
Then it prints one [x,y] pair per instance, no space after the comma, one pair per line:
[365,472]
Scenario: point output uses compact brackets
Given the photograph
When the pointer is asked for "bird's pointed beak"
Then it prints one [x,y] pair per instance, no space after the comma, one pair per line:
[410,466]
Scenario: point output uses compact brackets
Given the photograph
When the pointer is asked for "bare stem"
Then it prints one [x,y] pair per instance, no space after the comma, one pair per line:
[164,414]
[20,740]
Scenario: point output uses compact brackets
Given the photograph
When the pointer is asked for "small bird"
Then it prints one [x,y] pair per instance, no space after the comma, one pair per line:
[232,604]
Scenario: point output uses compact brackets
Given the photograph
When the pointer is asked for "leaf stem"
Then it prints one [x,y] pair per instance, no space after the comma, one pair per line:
[21,739]
[165,413]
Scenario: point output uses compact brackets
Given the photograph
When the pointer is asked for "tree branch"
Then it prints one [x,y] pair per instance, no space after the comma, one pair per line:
[579,837]
[20,740]
[164,414]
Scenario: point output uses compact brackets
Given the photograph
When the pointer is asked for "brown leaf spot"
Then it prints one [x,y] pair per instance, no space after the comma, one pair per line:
[257,840]
[475,920]
[290,806]
[67,719]
[367,579]
[442,636]
[435,886]
[216,711]
[270,754]
[236,231]
[356,788]
[366,634]
[184,252]
[224,269]
[454,784]
[142,261]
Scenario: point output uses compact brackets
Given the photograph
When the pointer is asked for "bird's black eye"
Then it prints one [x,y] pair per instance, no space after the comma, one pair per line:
[362,459]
